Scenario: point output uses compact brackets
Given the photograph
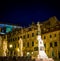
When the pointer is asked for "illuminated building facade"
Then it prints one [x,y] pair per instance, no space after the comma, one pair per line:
[3,45]
[50,33]
[15,44]
[4,30]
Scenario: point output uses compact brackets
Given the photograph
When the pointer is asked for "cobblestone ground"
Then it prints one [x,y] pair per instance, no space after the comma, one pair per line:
[56,59]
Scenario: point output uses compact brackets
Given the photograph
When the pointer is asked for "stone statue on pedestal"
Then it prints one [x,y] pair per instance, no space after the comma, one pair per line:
[41,53]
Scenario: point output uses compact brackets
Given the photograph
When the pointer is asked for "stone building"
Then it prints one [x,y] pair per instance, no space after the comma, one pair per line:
[50,32]
[3,45]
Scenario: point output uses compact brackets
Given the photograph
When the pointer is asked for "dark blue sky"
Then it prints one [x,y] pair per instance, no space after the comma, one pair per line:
[24,12]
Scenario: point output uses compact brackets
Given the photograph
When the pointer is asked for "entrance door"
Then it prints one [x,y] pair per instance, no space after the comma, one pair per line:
[59,55]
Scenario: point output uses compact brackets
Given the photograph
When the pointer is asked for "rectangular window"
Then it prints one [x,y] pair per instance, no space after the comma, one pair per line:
[11,52]
[24,44]
[44,37]
[55,43]
[45,50]
[11,40]
[14,53]
[32,34]
[18,38]
[28,36]
[4,36]
[28,44]
[35,28]
[15,45]
[50,44]
[30,29]
[15,38]
[32,43]
[35,48]
[8,40]
[18,44]
[50,36]
[55,35]
[37,33]
[24,37]
[45,45]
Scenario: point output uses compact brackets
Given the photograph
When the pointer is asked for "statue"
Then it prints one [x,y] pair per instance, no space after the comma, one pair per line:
[39,28]
[41,53]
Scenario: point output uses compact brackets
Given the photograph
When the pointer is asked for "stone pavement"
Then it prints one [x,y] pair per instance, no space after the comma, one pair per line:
[15,59]
[56,59]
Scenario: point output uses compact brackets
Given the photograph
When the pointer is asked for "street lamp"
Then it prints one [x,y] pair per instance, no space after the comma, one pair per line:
[10,46]
[28,53]
[18,49]
[32,53]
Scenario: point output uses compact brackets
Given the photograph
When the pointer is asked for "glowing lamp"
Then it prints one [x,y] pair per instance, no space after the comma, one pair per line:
[10,46]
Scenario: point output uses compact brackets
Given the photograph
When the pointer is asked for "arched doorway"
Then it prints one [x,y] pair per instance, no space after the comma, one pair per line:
[51,53]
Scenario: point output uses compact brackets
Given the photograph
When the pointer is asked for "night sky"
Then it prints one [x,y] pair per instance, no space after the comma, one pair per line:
[25,12]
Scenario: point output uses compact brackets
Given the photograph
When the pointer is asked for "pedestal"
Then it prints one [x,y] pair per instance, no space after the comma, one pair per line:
[44,59]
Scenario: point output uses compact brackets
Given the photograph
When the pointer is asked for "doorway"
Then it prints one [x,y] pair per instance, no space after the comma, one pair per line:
[59,55]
